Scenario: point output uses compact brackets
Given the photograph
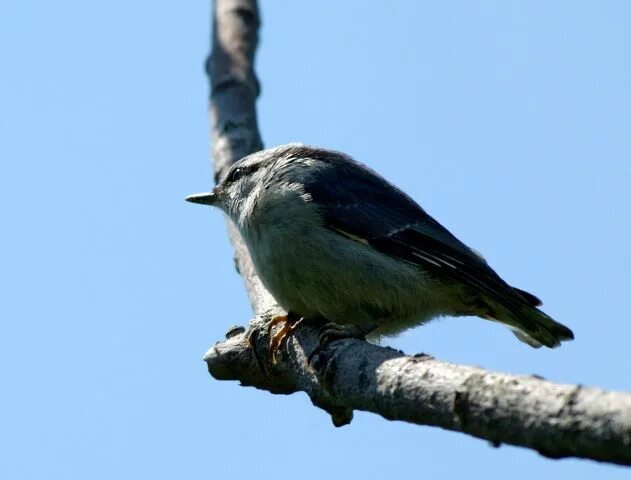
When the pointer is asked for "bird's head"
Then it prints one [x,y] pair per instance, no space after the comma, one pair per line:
[242,182]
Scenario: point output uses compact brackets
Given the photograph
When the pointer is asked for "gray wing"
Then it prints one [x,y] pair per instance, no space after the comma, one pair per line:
[356,202]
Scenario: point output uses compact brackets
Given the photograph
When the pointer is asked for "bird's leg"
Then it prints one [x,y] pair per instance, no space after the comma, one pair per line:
[289,323]
[334,331]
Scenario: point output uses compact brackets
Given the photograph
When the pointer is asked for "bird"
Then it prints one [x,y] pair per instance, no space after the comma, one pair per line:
[334,241]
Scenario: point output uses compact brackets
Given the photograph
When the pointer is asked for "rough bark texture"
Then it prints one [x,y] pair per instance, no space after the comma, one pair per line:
[555,420]
[234,130]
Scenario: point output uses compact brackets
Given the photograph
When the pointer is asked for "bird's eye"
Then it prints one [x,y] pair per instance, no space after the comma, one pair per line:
[234,174]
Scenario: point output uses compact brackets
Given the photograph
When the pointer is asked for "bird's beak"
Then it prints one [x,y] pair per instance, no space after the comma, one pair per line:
[209,198]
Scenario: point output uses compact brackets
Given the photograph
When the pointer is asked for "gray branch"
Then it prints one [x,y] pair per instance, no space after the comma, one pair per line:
[555,420]
[234,129]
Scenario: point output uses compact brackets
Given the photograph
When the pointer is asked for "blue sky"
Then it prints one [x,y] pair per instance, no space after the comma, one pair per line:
[507,121]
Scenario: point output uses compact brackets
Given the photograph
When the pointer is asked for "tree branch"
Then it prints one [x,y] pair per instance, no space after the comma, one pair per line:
[555,420]
[234,129]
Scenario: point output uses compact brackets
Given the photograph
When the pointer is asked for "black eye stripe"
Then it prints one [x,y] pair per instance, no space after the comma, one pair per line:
[236,173]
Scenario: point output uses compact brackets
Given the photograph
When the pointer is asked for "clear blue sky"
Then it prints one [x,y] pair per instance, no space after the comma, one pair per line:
[507,120]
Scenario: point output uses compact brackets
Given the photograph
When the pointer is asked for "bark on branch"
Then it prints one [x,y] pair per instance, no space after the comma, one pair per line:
[555,420]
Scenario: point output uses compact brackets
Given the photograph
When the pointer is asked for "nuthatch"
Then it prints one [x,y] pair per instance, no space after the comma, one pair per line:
[332,240]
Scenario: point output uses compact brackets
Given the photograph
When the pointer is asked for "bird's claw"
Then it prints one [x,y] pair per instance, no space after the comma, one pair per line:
[331,332]
[334,331]
[289,323]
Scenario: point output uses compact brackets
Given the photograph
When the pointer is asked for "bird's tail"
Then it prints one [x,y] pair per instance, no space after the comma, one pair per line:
[548,332]
[531,325]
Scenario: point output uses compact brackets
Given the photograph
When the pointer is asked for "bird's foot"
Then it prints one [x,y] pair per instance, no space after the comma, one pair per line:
[289,323]
[334,331]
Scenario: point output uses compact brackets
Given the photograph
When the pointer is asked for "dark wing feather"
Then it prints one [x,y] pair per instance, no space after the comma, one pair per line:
[355,200]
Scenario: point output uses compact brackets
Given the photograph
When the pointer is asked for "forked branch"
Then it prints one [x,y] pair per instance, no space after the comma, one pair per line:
[555,420]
